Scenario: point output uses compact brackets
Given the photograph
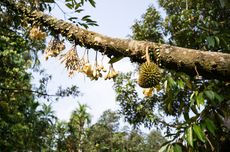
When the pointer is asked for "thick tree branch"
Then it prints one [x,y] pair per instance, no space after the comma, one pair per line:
[211,65]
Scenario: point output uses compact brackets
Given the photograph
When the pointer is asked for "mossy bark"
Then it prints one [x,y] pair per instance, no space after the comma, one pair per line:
[211,65]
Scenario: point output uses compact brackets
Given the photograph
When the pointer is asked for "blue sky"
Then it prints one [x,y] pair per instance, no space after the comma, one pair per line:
[115,18]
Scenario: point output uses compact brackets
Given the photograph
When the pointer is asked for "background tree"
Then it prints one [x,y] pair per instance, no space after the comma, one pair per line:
[101,136]
[199,106]
[79,120]
[23,126]
[105,136]
[19,121]
[154,141]
[102,133]
[61,134]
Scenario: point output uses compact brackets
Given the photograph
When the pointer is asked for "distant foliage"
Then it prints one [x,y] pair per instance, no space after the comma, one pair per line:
[105,135]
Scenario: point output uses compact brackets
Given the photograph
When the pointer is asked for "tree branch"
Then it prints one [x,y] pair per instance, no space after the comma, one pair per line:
[28,90]
[210,65]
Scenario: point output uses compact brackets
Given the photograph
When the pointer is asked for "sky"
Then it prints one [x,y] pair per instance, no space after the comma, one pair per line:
[115,18]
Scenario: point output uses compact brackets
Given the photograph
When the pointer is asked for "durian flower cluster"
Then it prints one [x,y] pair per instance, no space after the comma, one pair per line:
[94,71]
[112,73]
[37,34]
[54,48]
[71,60]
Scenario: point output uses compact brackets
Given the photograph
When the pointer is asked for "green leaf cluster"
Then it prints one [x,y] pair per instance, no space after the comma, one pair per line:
[86,20]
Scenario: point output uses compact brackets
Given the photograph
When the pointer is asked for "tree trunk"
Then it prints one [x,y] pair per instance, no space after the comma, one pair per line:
[210,65]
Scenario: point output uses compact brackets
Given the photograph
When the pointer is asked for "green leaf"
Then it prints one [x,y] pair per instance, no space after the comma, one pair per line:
[189,136]
[192,100]
[170,148]
[177,148]
[211,41]
[169,102]
[70,6]
[200,99]
[92,2]
[180,84]
[163,148]
[49,1]
[166,86]
[217,40]
[218,97]
[171,82]
[210,94]
[79,10]
[83,24]
[115,59]
[73,18]
[85,17]
[225,3]
[211,126]
[186,116]
[191,97]
[213,95]
[200,134]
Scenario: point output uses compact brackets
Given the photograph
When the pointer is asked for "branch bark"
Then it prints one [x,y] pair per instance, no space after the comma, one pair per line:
[210,65]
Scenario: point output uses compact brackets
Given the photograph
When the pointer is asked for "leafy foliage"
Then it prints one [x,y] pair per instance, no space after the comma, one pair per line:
[21,127]
[77,127]
[201,24]
[198,108]
[136,110]
[25,124]
[149,27]
[85,21]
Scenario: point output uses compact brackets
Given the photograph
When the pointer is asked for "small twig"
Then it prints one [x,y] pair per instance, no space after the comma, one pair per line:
[186,4]
[197,73]
[96,59]
[210,143]
[147,54]
[167,124]
[27,90]
[62,10]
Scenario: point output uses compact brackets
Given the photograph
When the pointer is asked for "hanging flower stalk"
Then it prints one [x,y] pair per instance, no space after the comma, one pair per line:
[71,61]
[37,34]
[112,73]
[54,48]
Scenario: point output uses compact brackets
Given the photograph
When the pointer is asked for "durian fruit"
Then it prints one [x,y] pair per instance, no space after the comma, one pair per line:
[149,75]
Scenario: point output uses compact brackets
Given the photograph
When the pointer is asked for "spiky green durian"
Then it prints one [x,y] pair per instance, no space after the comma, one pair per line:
[149,75]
